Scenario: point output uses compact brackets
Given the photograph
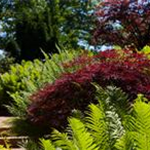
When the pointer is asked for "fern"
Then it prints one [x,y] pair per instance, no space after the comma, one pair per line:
[102,129]
[97,125]
[19,106]
[105,119]
[126,142]
[105,126]
[115,128]
[62,140]
[31,145]
[77,138]
[112,96]
[140,123]
[137,127]
[47,145]
[81,137]
[53,67]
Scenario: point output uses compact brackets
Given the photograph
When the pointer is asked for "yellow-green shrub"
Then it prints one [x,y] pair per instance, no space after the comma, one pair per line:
[22,79]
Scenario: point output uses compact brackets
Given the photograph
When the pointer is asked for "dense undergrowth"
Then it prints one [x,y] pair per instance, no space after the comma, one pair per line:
[84,100]
[111,124]
[105,127]
[44,94]
[29,76]
[124,69]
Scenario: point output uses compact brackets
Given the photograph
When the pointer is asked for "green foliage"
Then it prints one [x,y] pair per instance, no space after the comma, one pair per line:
[30,145]
[30,76]
[41,24]
[113,98]
[100,129]
[80,137]
[53,68]
[23,79]
[47,145]
[146,50]
[105,120]
[137,134]
[105,130]
[5,64]
[97,125]
[18,104]
[19,78]
[3,148]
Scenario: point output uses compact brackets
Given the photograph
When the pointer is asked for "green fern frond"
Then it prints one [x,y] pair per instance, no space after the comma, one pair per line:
[19,105]
[53,67]
[82,139]
[126,142]
[105,119]
[47,145]
[62,140]
[140,123]
[95,121]
[141,117]
[143,141]
[137,127]
[114,96]
[115,127]
[76,139]
[105,126]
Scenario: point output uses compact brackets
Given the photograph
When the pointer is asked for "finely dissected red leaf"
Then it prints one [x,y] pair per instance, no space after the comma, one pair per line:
[52,104]
[123,22]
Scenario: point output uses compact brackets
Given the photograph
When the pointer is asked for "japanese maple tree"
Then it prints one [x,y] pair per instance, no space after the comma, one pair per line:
[123,23]
[51,105]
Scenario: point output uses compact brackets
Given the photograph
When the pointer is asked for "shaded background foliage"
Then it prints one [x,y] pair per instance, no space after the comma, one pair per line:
[43,24]
[24,78]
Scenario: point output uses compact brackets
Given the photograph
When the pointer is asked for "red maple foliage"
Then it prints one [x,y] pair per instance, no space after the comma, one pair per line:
[83,60]
[123,23]
[52,104]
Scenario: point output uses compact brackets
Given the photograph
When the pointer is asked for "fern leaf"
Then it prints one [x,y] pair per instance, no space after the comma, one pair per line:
[143,141]
[106,127]
[114,126]
[126,142]
[141,113]
[113,96]
[47,144]
[140,123]
[82,139]
[137,126]
[95,121]
[62,140]
[105,119]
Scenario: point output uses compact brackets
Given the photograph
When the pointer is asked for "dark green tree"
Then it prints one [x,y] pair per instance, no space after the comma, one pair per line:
[33,25]
[34,29]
